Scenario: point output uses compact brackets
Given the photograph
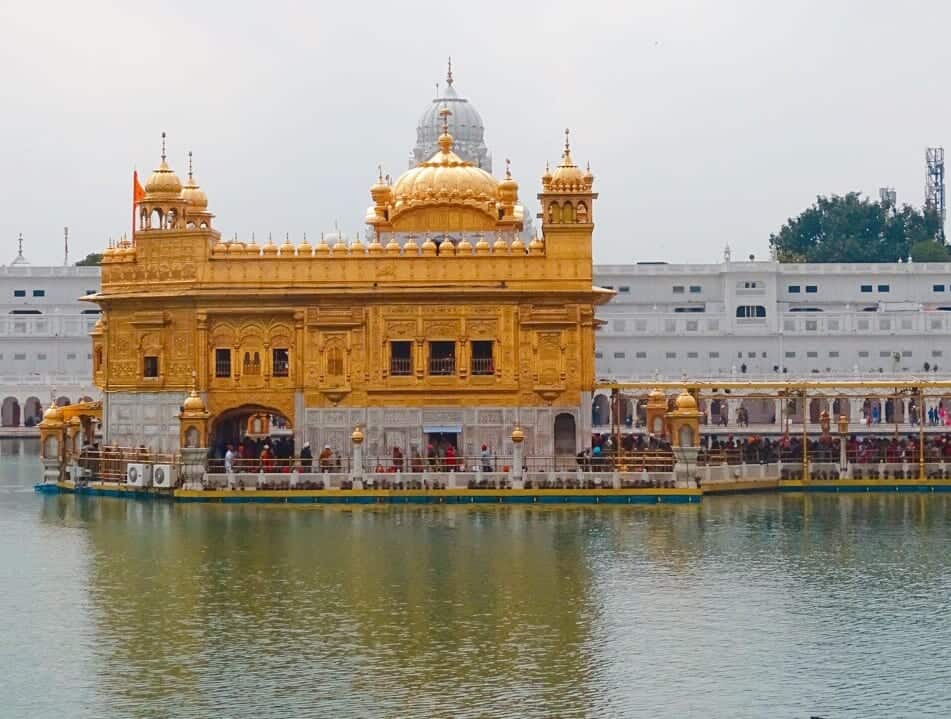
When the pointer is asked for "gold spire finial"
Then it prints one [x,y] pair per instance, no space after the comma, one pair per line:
[445,139]
[508,169]
[163,147]
[449,73]
[191,179]
[567,146]
[379,169]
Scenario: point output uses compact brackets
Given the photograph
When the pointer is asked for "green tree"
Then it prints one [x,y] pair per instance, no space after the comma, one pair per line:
[93,259]
[929,251]
[852,228]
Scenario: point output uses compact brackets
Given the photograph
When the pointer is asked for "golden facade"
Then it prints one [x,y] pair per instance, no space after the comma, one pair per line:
[444,321]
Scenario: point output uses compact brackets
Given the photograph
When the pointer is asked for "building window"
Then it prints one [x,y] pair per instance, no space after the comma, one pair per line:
[670,326]
[811,325]
[598,355]
[789,325]
[884,324]
[252,363]
[335,361]
[906,324]
[640,355]
[793,289]
[863,353]
[19,293]
[618,355]
[790,355]
[695,289]
[750,355]
[280,363]
[936,353]
[713,325]
[640,325]
[863,324]
[150,366]
[442,358]
[691,308]
[624,289]
[19,356]
[866,288]
[692,355]
[884,288]
[41,356]
[812,289]
[937,288]
[618,325]
[678,289]
[90,292]
[39,293]
[750,311]
[812,355]
[834,325]
[88,356]
[70,355]
[906,353]
[692,325]
[833,354]
[671,355]
[222,363]
[884,353]
[482,362]
[936,324]
[714,355]
[401,358]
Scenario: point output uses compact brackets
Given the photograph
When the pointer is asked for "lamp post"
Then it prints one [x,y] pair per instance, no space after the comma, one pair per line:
[843,432]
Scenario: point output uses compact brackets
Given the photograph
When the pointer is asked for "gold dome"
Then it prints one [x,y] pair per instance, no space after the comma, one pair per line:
[518,436]
[357,435]
[686,402]
[517,247]
[162,183]
[567,175]
[444,178]
[220,246]
[193,194]
[322,247]
[536,246]
[53,414]
[428,246]
[500,246]
[287,249]
[482,246]
[193,403]
[392,247]
[410,247]
[270,249]
[375,248]
[236,248]
[508,188]
[464,247]
[304,249]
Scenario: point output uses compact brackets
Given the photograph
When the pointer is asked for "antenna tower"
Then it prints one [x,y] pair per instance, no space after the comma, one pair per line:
[934,185]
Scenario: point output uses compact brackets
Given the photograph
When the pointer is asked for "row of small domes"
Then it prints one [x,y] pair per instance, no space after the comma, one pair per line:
[374,247]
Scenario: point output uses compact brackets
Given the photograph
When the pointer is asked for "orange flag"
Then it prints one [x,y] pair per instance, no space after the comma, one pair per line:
[138,194]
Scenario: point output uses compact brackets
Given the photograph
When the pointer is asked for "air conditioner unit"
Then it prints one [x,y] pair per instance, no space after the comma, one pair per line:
[162,476]
[138,475]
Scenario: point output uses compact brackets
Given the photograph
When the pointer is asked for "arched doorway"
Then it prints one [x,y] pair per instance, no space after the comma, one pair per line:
[565,435]
[252,426]
[32,412]
[10,412]
[817,406]
[62,401]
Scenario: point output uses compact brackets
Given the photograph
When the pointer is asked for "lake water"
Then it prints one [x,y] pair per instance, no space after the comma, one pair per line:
[758,606]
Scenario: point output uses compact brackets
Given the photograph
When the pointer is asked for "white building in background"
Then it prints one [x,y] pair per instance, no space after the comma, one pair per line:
[767,320]
[45,351]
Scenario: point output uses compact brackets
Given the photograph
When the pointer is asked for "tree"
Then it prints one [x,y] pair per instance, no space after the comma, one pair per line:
[929,251]
[93,259]
[852,228]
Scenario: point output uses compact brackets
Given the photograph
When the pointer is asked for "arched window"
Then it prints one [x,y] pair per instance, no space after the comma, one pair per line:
[582,213]
[567,213]
[335,362]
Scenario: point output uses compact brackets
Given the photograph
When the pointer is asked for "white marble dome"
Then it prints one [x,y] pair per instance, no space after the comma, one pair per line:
[465,126]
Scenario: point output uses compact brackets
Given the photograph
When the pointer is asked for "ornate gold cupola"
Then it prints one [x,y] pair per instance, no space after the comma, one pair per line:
[163,207]
[445,194]
[197,215]
[567,202]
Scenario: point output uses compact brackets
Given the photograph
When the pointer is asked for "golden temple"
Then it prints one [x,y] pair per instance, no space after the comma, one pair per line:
[445,322]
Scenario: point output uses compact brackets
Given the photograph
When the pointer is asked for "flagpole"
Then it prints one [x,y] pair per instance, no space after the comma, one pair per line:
[135,184]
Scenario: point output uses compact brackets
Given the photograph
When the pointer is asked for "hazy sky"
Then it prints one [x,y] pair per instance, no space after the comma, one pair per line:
[705,121]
